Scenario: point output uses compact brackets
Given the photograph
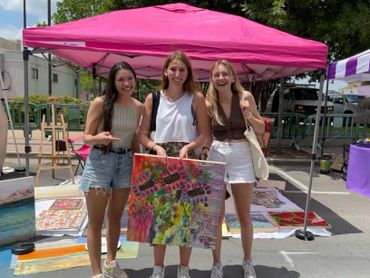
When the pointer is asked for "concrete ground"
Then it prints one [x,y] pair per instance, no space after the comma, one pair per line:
[343,255]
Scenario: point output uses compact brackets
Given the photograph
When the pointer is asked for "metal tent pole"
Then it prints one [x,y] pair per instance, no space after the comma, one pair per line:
[304,234]
[26,53]
[324,120]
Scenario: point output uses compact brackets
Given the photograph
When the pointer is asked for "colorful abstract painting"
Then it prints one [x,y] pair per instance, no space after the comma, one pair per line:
[17,210]
[64,204]
[175,201]
[60,220]
[296,219]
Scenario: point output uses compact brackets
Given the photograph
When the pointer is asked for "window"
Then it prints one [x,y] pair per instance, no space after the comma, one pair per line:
[55,78]
[35,73]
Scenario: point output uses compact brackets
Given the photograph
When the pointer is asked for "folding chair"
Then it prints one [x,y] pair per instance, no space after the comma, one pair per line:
[81,153]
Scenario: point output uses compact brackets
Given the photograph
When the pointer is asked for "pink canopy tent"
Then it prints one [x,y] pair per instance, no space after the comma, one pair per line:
[144,36]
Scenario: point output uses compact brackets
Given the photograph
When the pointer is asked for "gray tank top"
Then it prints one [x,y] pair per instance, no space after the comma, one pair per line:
[124,125]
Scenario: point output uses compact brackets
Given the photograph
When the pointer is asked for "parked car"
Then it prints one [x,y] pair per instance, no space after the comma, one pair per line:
[299,100]
[345,103]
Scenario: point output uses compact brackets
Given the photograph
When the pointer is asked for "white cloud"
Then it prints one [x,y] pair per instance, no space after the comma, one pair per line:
[38,8]
[10,32]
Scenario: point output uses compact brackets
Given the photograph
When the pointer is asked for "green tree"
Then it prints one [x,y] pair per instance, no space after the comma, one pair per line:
[69,10]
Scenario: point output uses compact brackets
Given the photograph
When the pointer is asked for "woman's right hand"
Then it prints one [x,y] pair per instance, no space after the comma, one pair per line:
[104,138]
[159,150]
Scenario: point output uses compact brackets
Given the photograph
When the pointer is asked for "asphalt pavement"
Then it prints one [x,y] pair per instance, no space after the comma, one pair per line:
[345,254]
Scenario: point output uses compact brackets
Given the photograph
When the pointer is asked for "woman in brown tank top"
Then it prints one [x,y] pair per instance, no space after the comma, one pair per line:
[229,106]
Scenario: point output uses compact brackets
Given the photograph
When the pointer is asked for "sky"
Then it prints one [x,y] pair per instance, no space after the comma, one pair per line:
[11,21]
[11,15]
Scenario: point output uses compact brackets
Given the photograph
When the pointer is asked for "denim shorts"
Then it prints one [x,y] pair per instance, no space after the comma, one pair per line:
[106,171]
[238,158]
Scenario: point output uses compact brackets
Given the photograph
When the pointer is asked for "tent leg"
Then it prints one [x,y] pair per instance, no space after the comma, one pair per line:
[304,234]
[27,147]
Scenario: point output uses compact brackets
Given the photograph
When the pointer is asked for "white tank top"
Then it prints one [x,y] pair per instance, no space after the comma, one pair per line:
[174,121]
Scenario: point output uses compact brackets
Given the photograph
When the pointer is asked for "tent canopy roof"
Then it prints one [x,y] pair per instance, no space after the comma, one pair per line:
[145,36]
[356,67]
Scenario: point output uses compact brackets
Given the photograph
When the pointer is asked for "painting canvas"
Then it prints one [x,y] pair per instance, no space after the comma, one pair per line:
[296,219]
[17,210]
[65,204]
[175,201]
[267,198]
[60,220]
[262,223]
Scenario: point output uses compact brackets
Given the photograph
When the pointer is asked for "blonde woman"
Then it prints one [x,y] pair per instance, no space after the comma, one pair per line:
[229,106]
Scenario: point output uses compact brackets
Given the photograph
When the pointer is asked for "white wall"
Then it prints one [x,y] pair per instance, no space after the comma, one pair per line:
[13,66]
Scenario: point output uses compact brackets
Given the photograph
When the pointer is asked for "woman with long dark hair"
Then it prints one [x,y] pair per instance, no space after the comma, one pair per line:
[111,124]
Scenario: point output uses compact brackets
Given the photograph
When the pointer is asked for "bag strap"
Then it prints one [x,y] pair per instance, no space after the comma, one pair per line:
[155,104]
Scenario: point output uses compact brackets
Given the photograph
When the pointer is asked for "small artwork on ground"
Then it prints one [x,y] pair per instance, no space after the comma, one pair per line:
[175,201]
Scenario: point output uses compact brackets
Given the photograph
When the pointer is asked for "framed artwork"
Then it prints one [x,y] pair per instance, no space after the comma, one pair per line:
[175,201]
[66,204]
[17,210]
[296,219]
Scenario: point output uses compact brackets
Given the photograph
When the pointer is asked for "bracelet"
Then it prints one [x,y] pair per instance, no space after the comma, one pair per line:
[250,115]
[154,146]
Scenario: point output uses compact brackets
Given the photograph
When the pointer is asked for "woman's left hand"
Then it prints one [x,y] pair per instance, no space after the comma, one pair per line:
[246,108]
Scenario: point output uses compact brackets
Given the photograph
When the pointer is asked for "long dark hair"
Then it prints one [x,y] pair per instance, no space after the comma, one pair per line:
[111,94]
[189,84]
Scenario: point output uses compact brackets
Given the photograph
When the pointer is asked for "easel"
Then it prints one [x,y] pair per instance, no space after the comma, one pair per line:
[59,148]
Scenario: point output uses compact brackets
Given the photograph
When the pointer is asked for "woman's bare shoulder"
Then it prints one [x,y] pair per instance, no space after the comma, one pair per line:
[98,101]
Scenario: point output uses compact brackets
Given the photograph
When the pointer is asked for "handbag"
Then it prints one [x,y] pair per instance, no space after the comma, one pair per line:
[261,168]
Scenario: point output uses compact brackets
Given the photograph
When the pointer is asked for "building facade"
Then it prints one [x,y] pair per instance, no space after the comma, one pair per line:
[64,77]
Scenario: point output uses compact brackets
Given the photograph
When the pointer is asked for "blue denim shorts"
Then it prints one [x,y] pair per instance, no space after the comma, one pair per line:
[106,171]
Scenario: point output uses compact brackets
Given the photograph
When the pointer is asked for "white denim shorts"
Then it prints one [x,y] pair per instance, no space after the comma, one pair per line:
[237,155]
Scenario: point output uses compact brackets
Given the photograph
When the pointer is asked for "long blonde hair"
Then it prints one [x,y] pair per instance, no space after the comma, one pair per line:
[212,93]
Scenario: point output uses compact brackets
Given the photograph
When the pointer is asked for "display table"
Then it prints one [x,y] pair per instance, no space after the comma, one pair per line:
[358,176]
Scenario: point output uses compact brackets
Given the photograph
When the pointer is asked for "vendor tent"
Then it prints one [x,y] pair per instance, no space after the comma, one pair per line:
[144,36]
[354,68]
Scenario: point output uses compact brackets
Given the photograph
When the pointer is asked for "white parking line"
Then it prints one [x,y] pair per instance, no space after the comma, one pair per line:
[302,186]
[290,260]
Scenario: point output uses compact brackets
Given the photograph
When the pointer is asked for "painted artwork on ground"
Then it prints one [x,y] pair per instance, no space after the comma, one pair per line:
[17,210]
[65,204]
[60,220]
[262,223]
[296,219]
[175,201]
[267,198]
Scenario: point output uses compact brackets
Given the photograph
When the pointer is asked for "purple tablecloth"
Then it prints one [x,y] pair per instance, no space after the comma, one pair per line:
[358,176]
